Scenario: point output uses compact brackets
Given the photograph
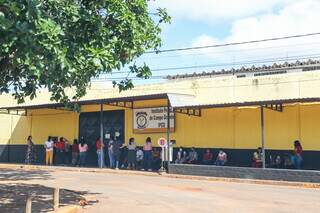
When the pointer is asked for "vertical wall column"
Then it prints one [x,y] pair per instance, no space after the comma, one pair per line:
[168,131]
[101,136]
[262,138]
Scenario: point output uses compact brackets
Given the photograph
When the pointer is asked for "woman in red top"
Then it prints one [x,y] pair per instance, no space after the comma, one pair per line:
[60,151]
[100,153]
[297,157]
[207,157]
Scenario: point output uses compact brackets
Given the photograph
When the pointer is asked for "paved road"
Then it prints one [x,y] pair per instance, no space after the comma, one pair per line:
[139,193]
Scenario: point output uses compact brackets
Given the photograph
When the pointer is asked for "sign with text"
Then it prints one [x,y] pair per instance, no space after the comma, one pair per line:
[162,142]
[152,120]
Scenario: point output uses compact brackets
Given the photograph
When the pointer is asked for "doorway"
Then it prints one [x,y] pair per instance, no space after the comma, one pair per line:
[89,129]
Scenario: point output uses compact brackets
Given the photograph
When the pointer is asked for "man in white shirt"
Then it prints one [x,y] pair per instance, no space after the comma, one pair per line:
[48,145]
[221,158]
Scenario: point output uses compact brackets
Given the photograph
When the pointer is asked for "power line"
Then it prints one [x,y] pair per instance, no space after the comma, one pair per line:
[269,60]
[230,51]
[233,43]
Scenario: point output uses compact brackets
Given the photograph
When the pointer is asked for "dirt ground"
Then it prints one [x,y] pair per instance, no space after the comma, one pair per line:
[15,186]
[110,192]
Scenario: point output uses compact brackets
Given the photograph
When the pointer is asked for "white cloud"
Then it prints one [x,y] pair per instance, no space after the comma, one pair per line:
[215,10]
[298,17]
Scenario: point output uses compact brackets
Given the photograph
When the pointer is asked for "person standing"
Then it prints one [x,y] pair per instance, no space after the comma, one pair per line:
[60,151]
[139,159]
[110,152]
[116,146]
[83,148]
[131,154]
[75,153]
[30,155]
[67,149]
[100,153]
[297,157]
[48,145]
[147,149]
[123,162]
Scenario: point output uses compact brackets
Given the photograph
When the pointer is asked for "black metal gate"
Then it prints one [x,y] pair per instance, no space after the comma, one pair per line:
[89,128]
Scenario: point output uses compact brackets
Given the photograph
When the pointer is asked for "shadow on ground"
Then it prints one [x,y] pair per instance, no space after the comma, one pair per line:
[13,197]
[20,174]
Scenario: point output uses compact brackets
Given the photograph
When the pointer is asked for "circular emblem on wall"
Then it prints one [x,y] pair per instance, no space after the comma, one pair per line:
[142,120]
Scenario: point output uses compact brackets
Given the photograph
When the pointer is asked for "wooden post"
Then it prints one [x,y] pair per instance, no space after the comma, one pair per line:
[56,199]
[29,204]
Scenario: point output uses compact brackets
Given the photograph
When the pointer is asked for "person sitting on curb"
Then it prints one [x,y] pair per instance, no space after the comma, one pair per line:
[257,158]
[179,156]
[207,157]
[222,158]
[184,158]
[193,156]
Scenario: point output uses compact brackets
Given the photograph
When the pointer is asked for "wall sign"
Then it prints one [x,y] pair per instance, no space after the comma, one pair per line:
[162,142]
[152,120]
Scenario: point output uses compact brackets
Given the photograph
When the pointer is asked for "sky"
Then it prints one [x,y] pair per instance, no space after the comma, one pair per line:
[210,22]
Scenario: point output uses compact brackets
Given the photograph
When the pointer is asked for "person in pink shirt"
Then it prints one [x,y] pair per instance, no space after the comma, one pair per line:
[83,148]
[147,150]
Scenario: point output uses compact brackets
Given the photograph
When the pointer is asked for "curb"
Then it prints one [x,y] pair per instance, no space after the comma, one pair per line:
[77,169]
[248,181]
[155,174]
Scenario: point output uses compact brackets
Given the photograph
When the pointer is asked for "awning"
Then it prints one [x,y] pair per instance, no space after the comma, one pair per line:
[177,101]
[90,102]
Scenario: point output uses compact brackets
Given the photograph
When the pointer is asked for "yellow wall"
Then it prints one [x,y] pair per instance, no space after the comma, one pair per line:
[247,130]
[237,128]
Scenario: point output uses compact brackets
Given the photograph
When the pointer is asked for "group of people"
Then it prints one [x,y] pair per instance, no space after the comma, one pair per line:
[112,153]
[58,151]
[207,158]
[128,156]
[287,161]
[117,155]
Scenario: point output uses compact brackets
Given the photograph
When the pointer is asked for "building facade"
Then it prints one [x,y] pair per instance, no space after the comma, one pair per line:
[221,110]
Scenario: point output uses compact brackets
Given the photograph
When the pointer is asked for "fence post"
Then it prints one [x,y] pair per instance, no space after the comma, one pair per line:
[56,199]
[29,204]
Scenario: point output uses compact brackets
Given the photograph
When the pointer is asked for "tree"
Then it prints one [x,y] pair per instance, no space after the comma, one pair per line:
[60,44]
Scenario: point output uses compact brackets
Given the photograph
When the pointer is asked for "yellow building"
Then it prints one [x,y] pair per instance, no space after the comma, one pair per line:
[211,110]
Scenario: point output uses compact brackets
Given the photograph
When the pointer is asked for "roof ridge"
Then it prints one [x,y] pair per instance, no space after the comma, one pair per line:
[243,69]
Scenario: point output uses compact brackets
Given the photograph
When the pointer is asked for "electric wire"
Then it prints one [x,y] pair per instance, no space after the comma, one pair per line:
[233,43]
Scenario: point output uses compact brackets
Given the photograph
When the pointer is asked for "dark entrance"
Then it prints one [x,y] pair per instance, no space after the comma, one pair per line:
[89,128]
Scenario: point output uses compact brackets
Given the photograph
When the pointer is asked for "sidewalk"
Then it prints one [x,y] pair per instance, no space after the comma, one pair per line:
[156,174]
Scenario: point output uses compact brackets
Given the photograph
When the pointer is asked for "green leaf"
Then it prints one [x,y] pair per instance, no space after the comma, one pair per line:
[64,44]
